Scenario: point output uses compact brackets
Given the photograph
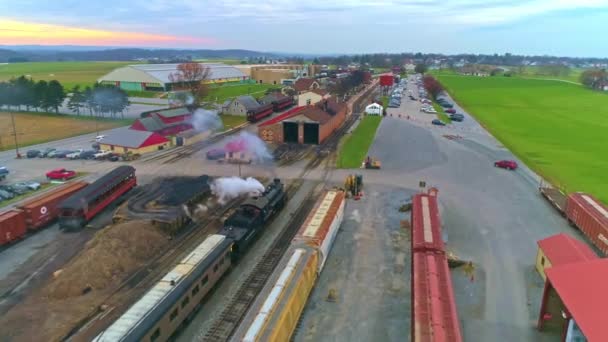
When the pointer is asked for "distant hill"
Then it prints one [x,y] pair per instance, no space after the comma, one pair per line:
[67,53]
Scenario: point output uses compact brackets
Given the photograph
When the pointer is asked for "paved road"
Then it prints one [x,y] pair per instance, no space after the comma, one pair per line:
[154,101]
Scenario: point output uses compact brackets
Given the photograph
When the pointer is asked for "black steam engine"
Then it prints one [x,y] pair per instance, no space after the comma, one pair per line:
[253,215]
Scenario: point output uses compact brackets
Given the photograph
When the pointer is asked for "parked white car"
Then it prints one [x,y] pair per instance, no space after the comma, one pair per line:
[101,154]
[75,154]
[99,138]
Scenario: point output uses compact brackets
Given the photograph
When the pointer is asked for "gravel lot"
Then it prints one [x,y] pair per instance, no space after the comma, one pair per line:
[369,268]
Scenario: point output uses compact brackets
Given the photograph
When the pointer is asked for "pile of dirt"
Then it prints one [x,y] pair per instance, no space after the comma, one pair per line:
[84,284]
[110,255]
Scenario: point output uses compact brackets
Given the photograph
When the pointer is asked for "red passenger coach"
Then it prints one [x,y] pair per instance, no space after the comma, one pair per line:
[260,112]
[426,224]
[282,103]
[434,315]
[81,207]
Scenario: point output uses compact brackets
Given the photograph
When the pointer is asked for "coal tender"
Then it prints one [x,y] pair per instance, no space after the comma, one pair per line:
[253,215]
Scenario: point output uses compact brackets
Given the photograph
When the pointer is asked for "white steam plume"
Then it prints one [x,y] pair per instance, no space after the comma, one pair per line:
[206,120]
[227,188]
[255,146]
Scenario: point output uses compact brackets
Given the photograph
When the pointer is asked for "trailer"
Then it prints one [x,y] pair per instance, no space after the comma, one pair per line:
[43,209]
[12,226]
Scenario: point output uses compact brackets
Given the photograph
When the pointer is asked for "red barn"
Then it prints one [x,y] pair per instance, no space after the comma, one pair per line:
[164,122]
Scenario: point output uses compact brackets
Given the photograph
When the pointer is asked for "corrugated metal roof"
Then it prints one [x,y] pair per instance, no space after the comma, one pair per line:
[162,71]
[136,313]
[563,249]
[582,288]
[126,137]
[248,101]
[152,123]
[319,214]
[105,182]
[169,113]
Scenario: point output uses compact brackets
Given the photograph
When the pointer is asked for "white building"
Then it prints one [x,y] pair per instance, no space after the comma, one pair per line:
[374,109]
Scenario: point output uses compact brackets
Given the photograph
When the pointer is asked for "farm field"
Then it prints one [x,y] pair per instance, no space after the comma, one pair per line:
[36,128]
[573,76]
[354,150]
[68,73]
[220,94]
[556,128]
[231,121]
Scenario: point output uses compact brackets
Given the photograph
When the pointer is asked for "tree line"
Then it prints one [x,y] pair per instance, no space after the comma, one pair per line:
[24,93]
[99,100]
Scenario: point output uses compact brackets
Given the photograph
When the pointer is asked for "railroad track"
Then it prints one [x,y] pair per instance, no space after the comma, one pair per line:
[182,152]
[143,278]
[232,315]
[230,318]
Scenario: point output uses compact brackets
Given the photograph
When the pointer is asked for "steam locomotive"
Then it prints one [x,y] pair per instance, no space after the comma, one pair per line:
[253,215]
[171,302]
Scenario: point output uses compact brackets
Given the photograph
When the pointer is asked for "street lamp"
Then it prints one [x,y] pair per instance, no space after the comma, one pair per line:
[15,135]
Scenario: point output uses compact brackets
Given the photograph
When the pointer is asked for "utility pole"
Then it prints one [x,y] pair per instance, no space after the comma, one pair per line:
[15,135]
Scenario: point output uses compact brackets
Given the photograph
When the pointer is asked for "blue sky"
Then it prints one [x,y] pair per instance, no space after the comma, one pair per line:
[555,27]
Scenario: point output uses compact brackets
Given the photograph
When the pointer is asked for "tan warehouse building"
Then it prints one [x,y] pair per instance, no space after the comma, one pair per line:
[277,73]
[157,77]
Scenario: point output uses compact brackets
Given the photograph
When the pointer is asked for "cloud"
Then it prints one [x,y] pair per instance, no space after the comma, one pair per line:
[19,32]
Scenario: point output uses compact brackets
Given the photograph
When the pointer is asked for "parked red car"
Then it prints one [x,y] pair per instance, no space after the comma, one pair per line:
[451,111]
[61,174]
[506,164]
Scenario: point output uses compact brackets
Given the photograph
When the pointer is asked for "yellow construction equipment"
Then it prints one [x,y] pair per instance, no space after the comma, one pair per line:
[354,185]
[371,163]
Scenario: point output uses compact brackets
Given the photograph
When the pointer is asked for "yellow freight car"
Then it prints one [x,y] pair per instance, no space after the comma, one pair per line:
[274,315]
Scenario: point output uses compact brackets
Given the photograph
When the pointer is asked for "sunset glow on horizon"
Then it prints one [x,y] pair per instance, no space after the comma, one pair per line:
[14,32]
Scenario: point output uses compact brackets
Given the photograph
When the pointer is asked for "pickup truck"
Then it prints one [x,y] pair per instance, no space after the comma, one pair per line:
[102,154]
[3,172]
[75,154]
[60,174]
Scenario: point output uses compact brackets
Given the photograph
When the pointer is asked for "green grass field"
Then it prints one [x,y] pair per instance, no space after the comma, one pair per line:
[354,150]
[441,114]
[231,121]
[68,73]
[556,128]
[533,72]
[220,94]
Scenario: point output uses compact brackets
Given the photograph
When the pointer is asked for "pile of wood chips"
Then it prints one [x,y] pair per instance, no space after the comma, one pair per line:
[84,283]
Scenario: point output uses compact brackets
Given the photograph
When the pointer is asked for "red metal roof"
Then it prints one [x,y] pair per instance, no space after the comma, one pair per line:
[288,114]
[563,249]
[434,315]
[154,139]
[582,289]
[426,224]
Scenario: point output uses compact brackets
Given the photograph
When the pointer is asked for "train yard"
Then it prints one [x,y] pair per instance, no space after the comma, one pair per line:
[290,255]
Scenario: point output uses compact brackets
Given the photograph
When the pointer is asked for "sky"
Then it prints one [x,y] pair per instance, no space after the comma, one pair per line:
[532,27]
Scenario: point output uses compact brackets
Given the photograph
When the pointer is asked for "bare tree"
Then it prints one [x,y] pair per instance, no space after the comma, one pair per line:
[191,76]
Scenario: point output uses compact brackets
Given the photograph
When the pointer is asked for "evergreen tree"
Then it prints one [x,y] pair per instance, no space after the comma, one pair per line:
[55,95]
[39,99]
[76,101]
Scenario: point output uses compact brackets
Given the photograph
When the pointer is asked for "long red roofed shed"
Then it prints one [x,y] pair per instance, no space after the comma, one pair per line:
[582,290]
